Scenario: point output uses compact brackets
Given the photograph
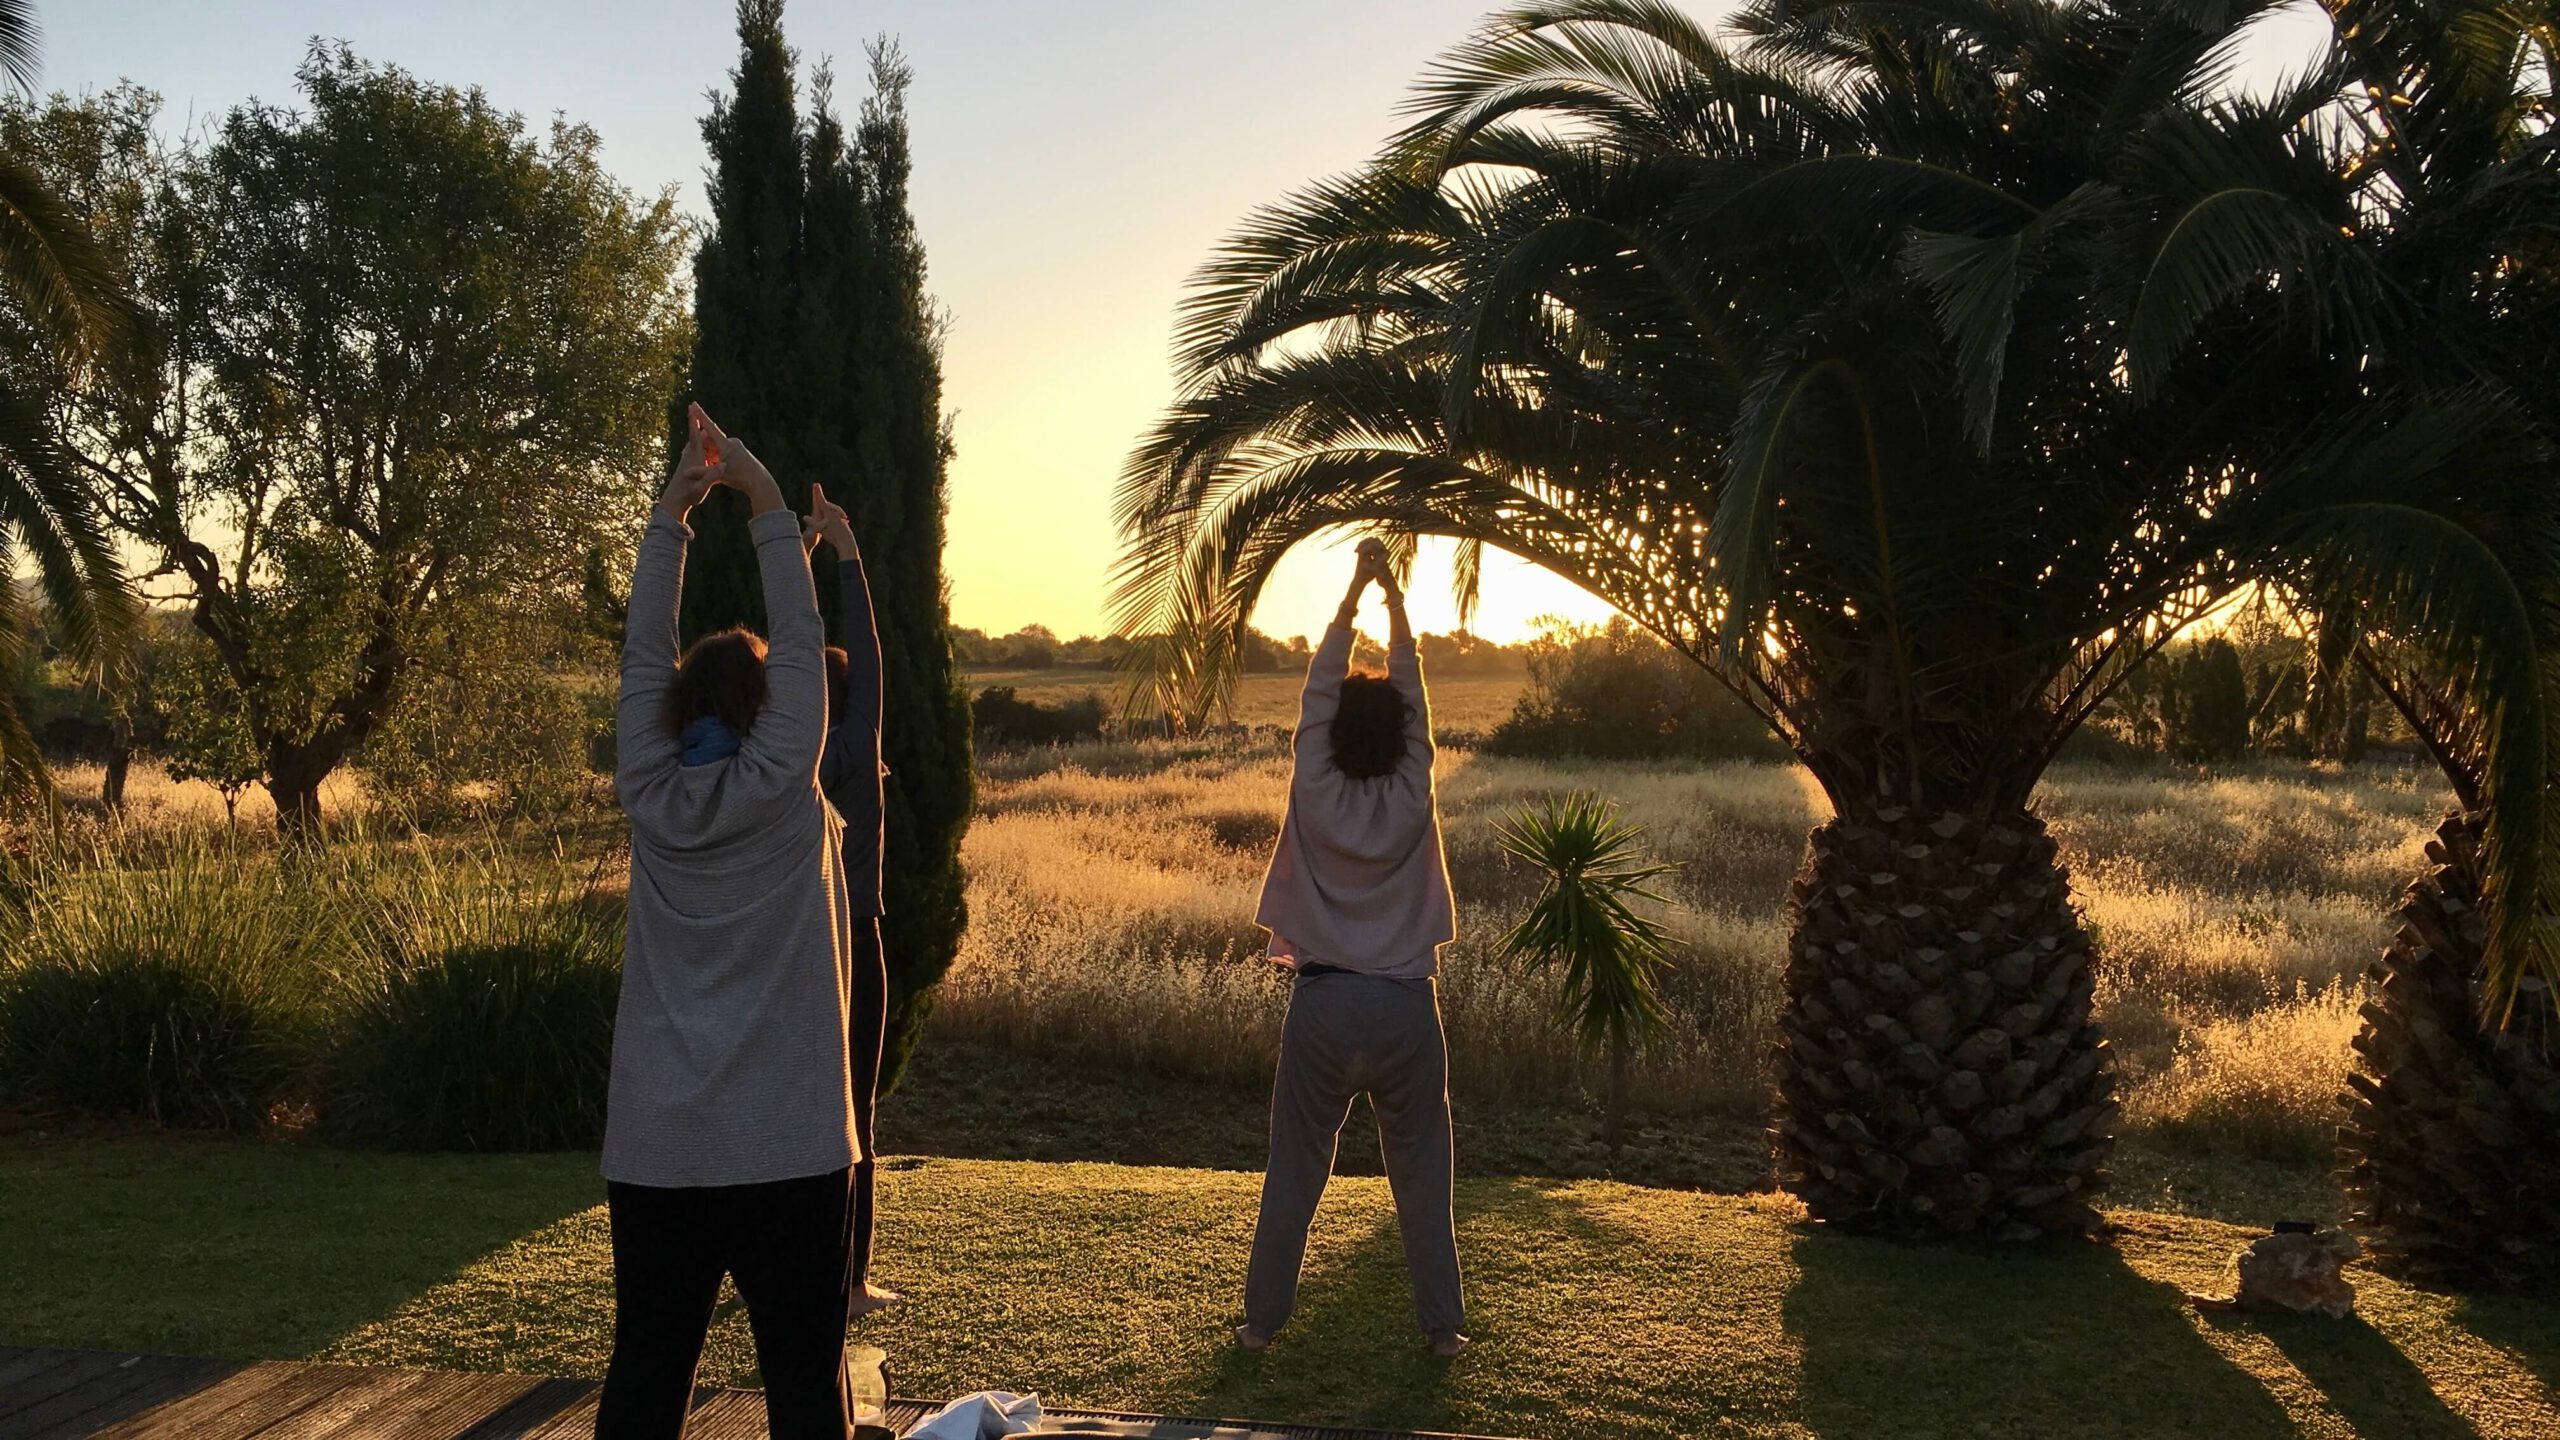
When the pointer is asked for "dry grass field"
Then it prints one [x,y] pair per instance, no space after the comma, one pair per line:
[1112,887]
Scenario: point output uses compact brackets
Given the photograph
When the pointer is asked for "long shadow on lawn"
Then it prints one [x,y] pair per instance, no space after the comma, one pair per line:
[2361,1373]
[2524,1328]
[181,1246]
[1941,1340]
[1352,1353]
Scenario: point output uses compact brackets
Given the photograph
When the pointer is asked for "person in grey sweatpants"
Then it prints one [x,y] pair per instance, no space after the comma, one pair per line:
[1357,903]
[1349,1035]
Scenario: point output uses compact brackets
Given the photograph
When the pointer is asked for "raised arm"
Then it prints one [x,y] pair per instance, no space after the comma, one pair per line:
[644,743]
[792,727]
[853,737]
[1404,668]
[1323,695]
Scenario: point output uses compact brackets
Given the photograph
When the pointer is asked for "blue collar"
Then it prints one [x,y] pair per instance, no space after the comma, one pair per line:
[706,739]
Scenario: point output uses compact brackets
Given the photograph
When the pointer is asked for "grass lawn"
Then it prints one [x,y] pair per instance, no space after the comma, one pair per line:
[1604,1310]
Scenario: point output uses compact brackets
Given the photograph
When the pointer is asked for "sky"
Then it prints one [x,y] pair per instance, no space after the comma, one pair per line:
[1075,161]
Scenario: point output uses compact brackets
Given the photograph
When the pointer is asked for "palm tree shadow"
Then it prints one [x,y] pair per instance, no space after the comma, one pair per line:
[2056,1339]
[2377,1388]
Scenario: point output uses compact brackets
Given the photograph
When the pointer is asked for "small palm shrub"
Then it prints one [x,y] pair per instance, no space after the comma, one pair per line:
[501,1041]
[184,994]
[1584,923]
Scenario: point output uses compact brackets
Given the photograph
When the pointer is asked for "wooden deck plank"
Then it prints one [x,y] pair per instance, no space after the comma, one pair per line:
[75,1389]
[575,1421]
[726,1415]
[75,1369]
[446,1406]
[541,1404]
[17,1367]
[905,1415]
[401,1405]
[132,1389]
[339,1409]
[237,1406]
[98,1395]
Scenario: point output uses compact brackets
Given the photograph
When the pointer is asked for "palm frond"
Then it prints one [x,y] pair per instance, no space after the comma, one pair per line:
[2469,581]
[55,517]
[70,289]
[20,51]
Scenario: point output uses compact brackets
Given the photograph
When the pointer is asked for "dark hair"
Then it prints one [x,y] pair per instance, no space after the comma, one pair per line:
[1368,727]
[839,677]
[721,674]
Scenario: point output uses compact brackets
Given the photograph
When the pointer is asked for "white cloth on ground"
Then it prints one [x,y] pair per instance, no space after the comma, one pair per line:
[987,1415]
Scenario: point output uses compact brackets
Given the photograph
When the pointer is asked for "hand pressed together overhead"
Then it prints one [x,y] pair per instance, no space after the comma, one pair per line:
[826,521]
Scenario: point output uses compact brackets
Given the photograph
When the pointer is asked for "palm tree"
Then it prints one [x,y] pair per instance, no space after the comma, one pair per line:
[2448,112]
[1584,923]
[1908,366]
[69,298]
[2451,1106]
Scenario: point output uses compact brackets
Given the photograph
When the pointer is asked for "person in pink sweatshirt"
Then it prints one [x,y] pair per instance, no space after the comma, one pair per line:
[1357,903]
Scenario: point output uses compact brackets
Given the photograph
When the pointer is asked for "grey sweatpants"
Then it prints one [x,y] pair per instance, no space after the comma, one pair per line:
[1348,1035]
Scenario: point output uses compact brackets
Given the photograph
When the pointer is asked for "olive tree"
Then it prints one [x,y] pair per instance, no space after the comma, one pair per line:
[395,356]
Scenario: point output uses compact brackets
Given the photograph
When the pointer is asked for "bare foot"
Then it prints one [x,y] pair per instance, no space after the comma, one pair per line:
[1448,1346]
[871,1298]
[1249,1338]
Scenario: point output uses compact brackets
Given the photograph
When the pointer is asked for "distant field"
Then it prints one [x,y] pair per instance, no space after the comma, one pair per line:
[1458,702]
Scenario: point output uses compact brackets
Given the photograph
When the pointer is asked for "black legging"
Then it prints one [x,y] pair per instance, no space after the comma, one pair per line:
[787,1243]
[868,1032]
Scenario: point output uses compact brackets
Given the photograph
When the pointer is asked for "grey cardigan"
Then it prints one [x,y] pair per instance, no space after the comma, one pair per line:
[730,1061]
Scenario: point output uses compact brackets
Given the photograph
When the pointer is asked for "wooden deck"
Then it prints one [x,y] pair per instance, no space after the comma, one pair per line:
[78,1394]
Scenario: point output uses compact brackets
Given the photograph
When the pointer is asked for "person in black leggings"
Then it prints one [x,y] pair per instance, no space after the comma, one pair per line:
[850,774]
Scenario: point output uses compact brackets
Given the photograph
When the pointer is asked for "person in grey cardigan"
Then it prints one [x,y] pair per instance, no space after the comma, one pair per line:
[1357,902]
[730,1124]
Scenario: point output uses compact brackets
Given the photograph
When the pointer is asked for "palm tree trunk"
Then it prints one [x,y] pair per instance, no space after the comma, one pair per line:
[1940,1071]
[2447,1141]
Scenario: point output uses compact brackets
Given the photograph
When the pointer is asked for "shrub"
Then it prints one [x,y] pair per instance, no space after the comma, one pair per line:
[503,1045]
[2213,723]
[1616,693]
[183,994]
[1004,718]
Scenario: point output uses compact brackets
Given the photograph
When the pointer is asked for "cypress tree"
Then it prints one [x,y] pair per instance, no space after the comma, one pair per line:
[903,452]
[835,268]
[746,306]
[817,344]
